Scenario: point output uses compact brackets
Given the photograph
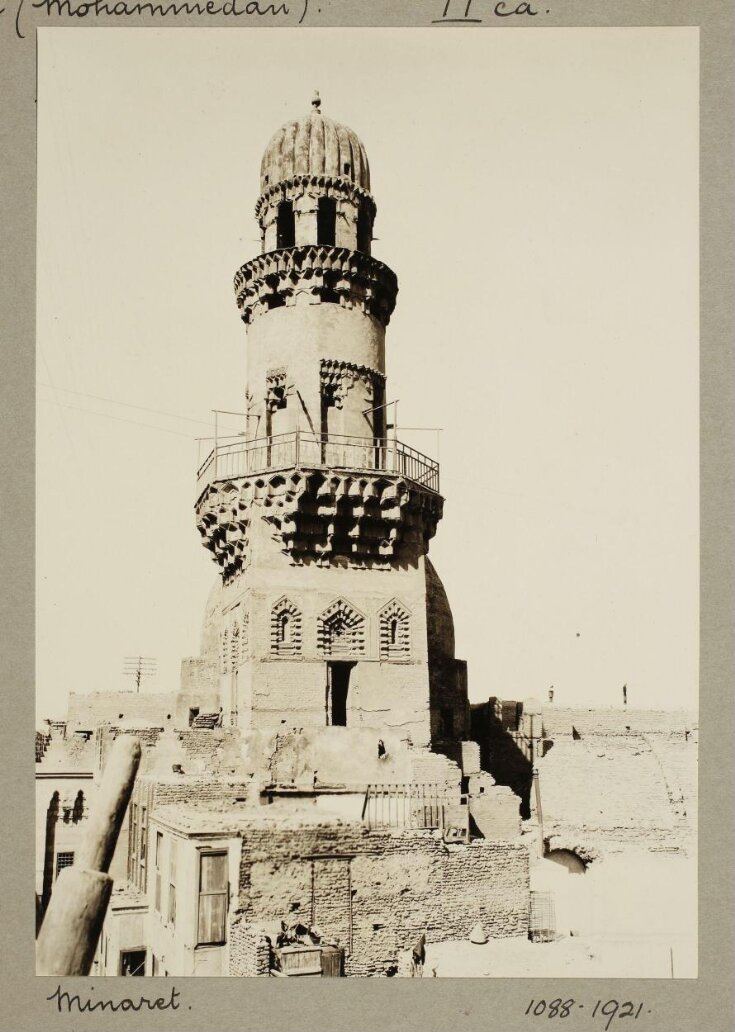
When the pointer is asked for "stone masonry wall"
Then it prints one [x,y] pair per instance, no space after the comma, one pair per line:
[378,891]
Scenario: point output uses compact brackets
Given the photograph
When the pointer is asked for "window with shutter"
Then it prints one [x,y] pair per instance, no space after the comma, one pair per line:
[158,860]
[213,893]
[172,883]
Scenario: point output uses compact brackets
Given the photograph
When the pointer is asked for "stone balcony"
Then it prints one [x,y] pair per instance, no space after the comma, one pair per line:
[359,498]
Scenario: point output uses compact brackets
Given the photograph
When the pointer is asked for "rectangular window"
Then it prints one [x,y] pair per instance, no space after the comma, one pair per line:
[213,893]
[172,883]
[285,225]
[326,221]
[133,845]
[63,860]
[132,962]
[158,859]
[143,847]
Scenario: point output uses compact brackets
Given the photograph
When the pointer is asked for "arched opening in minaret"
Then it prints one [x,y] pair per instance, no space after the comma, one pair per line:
[284,629]
[364,228]
[326,221]
[285,227]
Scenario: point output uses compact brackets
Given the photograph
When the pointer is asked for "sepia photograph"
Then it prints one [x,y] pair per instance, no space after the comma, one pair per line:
[367,503]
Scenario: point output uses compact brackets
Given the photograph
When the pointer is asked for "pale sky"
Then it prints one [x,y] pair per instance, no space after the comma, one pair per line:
[537,196]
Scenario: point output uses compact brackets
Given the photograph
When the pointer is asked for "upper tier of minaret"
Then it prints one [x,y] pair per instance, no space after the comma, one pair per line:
[315,460]
[314,145]
[315,186]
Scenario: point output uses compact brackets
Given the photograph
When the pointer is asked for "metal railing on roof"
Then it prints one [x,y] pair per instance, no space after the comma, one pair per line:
[239,458]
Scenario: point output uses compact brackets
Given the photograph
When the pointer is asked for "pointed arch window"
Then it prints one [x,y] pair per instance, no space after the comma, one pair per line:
[395,631]
[341,630]
[285,628]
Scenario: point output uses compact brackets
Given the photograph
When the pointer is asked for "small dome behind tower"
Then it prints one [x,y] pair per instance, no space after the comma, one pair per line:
[314,145]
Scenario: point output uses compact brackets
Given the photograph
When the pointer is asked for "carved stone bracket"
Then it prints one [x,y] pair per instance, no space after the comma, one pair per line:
[365,519]
[275,389]
[331,274]
[338,377]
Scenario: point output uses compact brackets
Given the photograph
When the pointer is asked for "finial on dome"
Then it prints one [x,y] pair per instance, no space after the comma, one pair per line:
[316,102]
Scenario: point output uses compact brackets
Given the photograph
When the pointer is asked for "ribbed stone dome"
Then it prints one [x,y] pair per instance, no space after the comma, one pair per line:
[314,145]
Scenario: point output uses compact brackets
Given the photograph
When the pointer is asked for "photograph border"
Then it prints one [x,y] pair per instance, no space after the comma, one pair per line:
[357,1004]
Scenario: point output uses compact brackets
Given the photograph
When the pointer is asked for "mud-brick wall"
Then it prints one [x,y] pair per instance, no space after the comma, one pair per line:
[604,792]
[154,791]
[199,688]
[616,721]
[87,710]
[210,749]
[376,892]
[249,950]
[417,884]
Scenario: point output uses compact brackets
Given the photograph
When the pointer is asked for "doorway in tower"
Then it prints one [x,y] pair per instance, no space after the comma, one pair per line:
[338,687]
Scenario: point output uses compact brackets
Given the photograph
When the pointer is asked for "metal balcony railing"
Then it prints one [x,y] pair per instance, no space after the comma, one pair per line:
[239,458]
[404,806]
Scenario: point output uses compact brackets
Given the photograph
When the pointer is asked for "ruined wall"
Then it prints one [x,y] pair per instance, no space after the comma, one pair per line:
[90,709]
[209,751]
[504,753]
[216,793]
[610,778]
[494,813]
[606,792]
[75,752]
[616,721]
[615,778]
[43,739]
[250,952]
[377,892]
[199,688]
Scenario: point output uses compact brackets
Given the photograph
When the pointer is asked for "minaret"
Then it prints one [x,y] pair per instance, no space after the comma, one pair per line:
[329,614]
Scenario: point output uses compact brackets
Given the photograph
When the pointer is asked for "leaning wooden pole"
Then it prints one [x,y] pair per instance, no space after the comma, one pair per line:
[71,927]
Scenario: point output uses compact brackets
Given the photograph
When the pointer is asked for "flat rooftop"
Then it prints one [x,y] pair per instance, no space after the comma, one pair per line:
[202,820]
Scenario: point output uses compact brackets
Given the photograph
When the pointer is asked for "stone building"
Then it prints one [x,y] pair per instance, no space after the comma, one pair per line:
[318,517]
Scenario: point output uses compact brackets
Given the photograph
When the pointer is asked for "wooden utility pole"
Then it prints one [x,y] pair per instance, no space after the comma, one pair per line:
[71,927]
[139,667]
